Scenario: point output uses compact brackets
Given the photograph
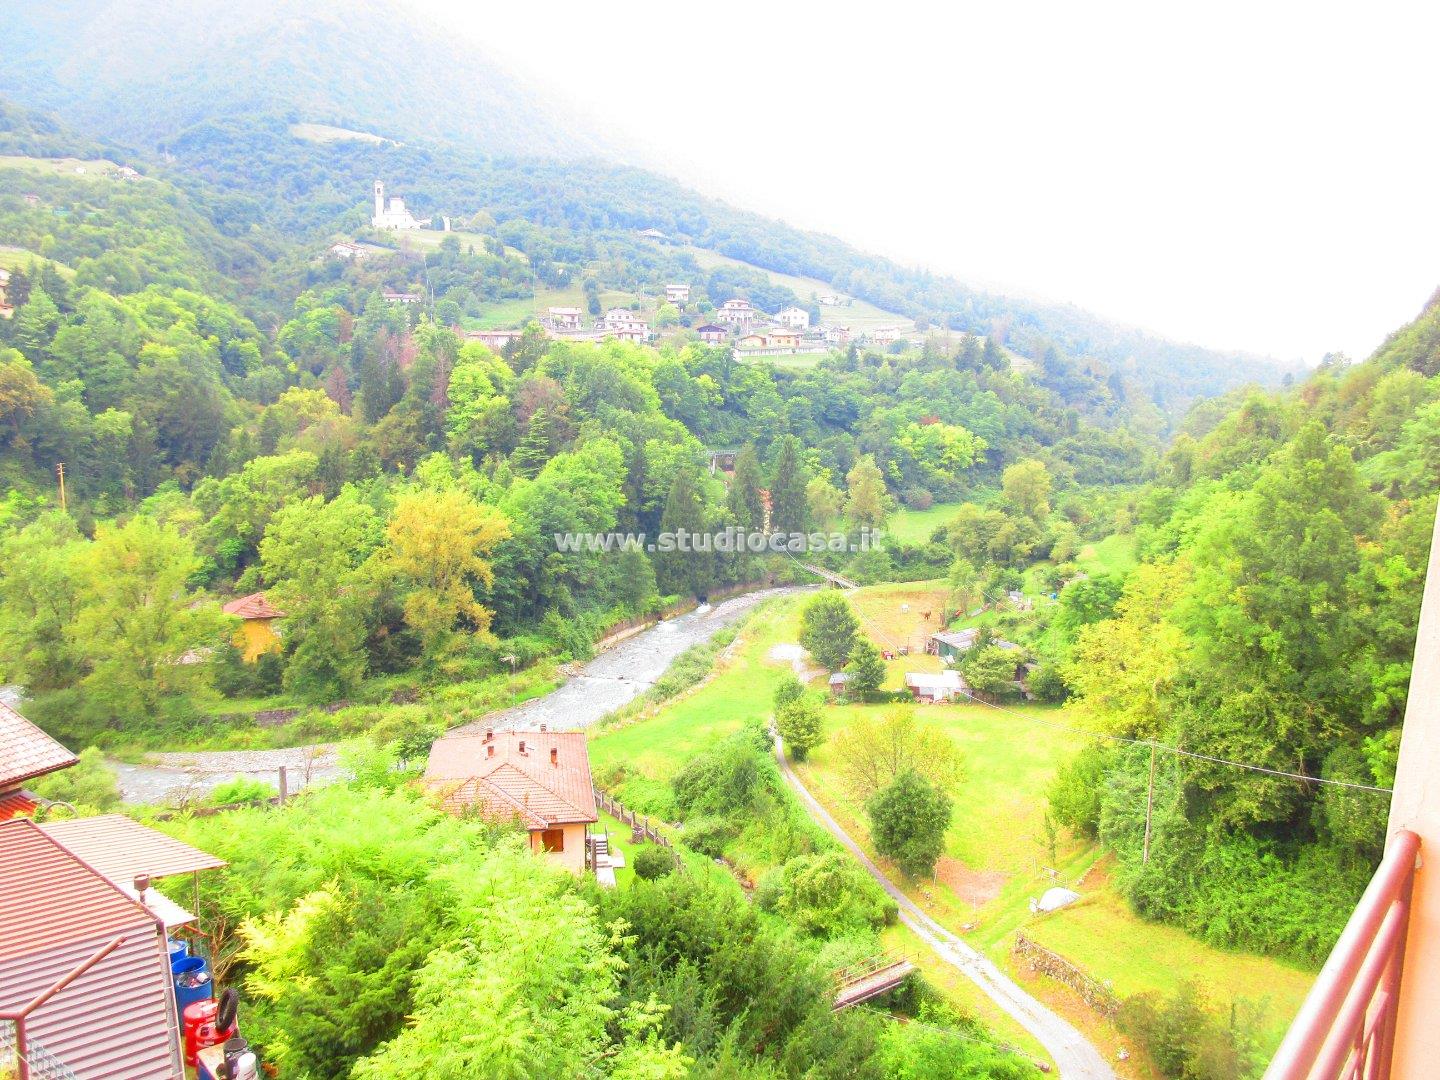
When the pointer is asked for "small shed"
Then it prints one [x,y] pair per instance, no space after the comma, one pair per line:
[930,687]
[951,643]
[257,634]
[838,681]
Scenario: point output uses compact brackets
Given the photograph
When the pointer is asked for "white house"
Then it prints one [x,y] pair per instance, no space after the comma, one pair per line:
[625,325]
[564,318]
[394,215]
[930,688]
[677,294]
[829,299]
[393,297]
[736,311]
[795,318]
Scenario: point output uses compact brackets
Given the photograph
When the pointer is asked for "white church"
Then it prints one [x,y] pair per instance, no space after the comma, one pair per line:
[393,216]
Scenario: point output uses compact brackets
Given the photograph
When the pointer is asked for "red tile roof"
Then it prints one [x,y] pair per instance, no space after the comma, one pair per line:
[254,606]
[26,751]
[117,1020]
[17,803]
[119,848]
[503,782]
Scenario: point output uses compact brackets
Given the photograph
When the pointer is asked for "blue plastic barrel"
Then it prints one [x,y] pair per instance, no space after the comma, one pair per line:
[178,951]
[192,980]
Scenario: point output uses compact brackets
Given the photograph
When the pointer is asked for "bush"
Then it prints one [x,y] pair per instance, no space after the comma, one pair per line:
[1075,792]
[90,783]
[1047,685]
[731,779]
[788,689]
[241,789]
[827,895]
[652,862]
[1185,1038]
[708,835]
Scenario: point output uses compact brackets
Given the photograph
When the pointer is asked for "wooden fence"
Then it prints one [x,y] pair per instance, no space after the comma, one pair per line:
[1091,990]
[640,827]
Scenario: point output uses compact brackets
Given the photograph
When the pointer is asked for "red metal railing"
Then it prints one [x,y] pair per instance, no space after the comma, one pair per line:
[1346,1028]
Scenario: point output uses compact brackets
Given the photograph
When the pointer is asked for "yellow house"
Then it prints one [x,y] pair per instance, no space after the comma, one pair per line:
[256,635]
[539,778]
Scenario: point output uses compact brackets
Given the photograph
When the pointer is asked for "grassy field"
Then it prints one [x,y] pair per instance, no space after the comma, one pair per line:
[915,526]
[93,169]
[1113,555]
[13,258]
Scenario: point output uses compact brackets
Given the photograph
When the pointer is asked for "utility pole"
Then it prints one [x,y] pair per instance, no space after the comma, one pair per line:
[1149,807]
[60,472]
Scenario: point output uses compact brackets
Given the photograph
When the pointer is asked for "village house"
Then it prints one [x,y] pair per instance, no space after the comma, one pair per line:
[653,234]
[493,339]
[393,215]
[393,297]
[677,294]
[31,199]
[835,335]
[776,341]
[539,779]
[256,634]
[563,318]
[929,688]
[736,312]
[722,460]
[949,644]
[828,299]
[795,318]
[837,684]
[625,325]
[712,334]
[85,975]
[343,249]
[125,172]
[26,753]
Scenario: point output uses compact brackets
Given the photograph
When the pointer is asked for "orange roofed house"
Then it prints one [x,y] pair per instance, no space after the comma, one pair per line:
[540,778]
[25,753]
[256,635]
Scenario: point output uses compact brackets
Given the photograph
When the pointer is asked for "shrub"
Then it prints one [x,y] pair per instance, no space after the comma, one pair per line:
[653,862]
[787,690]
[732,778]
[1075,792]
[827,895]
[1186,1039]
[708,835]
[90,783]
[1047,685]
[241,789]
[866,669]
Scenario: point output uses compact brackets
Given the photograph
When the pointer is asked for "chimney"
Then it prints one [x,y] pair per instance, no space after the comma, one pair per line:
[554,755]
[522,746]
[489,734]
[142,883]
[542,727]
[490,750]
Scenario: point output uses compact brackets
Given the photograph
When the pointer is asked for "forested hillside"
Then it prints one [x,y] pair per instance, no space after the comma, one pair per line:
[1270,621]
[140,71]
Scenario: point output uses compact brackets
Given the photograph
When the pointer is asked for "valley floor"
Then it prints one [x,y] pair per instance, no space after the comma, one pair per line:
[996,851]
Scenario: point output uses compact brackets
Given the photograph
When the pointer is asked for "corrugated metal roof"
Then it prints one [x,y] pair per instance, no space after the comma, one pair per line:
[16,803]
[120,848]
[509,781]
[26,751]
[116,1021]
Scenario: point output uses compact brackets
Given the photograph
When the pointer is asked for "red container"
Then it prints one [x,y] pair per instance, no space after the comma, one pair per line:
[199,1024]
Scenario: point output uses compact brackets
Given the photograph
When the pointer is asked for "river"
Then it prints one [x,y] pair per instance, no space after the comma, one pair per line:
[597,688]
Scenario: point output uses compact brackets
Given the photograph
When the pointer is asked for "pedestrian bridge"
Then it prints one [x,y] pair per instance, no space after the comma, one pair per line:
[870,978]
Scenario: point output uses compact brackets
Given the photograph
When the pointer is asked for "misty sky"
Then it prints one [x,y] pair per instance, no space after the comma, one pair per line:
[1223,174]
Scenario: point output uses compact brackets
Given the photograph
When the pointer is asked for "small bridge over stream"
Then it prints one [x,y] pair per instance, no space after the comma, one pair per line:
[870,978]
[834,579]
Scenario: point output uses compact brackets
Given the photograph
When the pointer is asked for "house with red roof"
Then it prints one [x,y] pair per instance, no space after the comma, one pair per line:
[540,779]
[85,983]
[26,752]
[257,634]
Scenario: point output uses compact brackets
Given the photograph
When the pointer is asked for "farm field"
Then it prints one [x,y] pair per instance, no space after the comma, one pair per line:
[326,133]
[997,856]
[93,168]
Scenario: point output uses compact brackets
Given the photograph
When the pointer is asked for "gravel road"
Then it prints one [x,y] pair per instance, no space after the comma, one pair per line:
[598,687]
[1075,1056]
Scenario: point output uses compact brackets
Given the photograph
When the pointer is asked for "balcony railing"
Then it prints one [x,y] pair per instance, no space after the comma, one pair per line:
[1346,1028]
[39,1063]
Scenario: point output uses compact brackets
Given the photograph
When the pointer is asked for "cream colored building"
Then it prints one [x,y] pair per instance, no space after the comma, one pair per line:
[539,779]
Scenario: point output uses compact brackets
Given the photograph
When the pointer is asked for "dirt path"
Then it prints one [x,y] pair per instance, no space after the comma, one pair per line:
[1077,1058]
[598,687]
